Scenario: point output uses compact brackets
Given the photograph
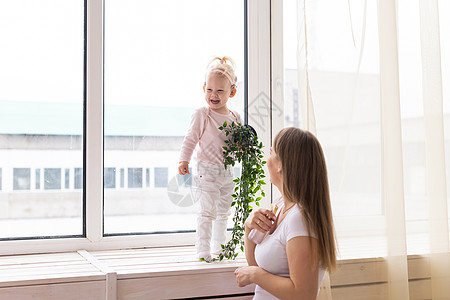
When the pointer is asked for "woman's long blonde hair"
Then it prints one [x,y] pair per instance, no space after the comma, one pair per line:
[305,181]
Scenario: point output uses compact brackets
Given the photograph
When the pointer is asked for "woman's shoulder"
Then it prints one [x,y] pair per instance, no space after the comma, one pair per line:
[297,213]
[296,223]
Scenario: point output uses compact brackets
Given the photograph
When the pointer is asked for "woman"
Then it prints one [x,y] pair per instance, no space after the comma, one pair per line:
[300,245]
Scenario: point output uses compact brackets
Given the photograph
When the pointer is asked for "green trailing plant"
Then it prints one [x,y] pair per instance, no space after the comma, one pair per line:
[242,146]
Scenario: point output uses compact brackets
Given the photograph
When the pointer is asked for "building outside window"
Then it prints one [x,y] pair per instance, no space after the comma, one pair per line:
[161,177]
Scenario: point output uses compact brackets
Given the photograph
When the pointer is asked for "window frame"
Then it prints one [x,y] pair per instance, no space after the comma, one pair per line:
[258,71]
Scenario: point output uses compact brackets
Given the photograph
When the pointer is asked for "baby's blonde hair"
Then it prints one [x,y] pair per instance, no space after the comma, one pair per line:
[222,66]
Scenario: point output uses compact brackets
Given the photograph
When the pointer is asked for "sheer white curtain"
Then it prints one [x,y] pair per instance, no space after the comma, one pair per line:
[372,83]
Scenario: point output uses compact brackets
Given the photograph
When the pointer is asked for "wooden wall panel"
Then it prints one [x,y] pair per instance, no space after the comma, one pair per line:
[359,272]
[92,290]
[359,292]
[420,289]
[175,287]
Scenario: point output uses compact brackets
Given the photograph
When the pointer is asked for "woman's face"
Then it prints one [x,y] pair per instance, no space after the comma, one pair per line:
[274,166]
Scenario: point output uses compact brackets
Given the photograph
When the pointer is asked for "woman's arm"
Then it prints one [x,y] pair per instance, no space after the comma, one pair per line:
[303,282]
[256,220]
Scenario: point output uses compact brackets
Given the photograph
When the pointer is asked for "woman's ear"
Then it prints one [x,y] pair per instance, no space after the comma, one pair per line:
[233,92]
[279,168]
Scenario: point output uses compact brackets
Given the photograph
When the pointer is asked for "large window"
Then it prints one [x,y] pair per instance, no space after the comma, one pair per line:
[333,86]
[156,53]
[95,101]
[41,117]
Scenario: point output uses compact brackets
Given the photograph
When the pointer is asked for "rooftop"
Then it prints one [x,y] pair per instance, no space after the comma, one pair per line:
[51,118]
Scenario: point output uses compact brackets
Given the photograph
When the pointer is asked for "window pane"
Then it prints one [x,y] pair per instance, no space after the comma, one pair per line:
[52,179]
[78,178]
[67,178]
[41,116]
[110,178]
[147,177]
[38,179]
[155,63]
[21,179]
[122,178]
[134,177]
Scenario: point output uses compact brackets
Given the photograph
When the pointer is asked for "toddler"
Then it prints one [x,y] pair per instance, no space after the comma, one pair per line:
[214,182]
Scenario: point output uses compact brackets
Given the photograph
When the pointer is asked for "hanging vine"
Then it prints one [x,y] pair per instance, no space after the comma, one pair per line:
[243,147]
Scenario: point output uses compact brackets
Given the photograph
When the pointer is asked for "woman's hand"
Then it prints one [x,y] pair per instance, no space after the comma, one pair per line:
[183,168]
[261,220]
[244,275]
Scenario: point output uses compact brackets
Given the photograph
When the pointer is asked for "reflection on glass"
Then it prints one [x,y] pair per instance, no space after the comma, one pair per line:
[41,118]
[155,59]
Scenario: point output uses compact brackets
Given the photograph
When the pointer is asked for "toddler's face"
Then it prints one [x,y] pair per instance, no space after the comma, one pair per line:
[217,91]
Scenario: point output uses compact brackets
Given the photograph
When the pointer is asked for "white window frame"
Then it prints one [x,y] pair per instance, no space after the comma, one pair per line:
[259,74]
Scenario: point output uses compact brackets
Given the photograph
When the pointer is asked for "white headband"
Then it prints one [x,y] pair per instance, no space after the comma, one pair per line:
[224,73]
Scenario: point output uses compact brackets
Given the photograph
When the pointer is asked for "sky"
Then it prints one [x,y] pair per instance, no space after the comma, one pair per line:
[156,55]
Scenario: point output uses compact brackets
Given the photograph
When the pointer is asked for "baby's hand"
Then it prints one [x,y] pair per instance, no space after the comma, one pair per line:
[183,168]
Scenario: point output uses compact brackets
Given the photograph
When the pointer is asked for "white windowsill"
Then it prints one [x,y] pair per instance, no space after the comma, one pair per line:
[125,272]
[171,273]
